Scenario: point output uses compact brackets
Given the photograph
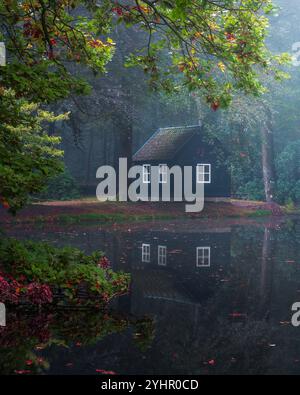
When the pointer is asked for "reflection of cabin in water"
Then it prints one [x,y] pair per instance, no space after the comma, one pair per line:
[178,267]
[186,146]
[195,250]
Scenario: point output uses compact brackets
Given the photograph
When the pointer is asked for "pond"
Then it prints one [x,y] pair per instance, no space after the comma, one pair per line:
[205,298]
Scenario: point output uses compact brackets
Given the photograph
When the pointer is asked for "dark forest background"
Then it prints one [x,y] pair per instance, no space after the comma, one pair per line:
[122,112]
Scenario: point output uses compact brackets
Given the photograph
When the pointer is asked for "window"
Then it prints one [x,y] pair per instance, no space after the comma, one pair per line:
[163,174]
[162,255]
[203,173]
[146,253]
[203,257]
[2,54]
[146,174]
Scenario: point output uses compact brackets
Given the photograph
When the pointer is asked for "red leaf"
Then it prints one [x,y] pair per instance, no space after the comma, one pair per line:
[237,315]
[215,106]
[105,371]
[22,371]
[53,41]
[40,360]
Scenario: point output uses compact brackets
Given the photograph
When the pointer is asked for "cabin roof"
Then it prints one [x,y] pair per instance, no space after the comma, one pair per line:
[165,143]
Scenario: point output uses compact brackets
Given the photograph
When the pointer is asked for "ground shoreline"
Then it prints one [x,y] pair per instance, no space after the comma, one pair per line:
[91,210]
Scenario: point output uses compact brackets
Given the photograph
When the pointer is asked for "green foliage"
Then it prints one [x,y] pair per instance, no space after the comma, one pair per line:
[27,332]
[61,187]
[41,38]
[290,205]
[288,169]
[145,333]
[65,269]
[39,83]
[252,190]
[260,213]
[239,128]
[212,47]
[112,217]
[28,156]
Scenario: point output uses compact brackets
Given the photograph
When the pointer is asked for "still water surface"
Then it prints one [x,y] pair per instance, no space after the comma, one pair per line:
[204,299]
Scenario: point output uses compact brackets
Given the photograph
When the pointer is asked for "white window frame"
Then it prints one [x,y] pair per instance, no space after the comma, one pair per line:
[146,253]
[2,54]
[205,171]
[146,173]
[162,255]
[163,173]
[202,257]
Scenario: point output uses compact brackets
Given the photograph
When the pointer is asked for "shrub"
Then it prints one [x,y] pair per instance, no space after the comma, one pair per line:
[34,272]
[252,190]
[61,187]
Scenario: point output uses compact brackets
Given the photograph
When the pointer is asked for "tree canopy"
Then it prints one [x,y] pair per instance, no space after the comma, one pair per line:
[29,156]
[214,46]
[211,47]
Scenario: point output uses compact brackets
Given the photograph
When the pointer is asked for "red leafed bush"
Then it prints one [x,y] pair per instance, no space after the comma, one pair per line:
[8,291]
[4,288]
[104,263]
[39,293]
[12,291]
[38,273]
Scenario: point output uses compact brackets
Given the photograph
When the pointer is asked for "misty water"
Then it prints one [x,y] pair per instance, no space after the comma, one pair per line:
[205,298]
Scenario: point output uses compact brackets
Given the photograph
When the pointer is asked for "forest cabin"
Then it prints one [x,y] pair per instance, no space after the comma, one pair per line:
[187,146]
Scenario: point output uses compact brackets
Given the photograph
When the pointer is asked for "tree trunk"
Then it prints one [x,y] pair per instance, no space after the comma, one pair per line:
[125,139]
[268,165]
[266,277]
[125,127]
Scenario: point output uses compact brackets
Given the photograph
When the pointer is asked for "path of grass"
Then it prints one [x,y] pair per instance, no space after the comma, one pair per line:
[102,217]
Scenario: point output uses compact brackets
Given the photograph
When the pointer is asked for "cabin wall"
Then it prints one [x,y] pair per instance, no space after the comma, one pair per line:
[198,151]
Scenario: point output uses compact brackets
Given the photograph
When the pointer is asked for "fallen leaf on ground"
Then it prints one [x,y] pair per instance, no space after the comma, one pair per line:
[237,315]
[22,371]
[105,371]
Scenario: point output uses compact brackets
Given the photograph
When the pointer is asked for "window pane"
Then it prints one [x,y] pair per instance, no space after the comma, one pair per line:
[204,173]
[203,257]
[162,255]
[145,252]
[163,172]
[146,174]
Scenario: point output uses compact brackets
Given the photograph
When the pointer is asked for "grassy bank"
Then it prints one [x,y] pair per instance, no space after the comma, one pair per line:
[92,211]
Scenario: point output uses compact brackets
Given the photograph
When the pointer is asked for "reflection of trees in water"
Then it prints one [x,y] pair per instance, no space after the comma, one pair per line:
[28,331]
[244,326]
[239,323]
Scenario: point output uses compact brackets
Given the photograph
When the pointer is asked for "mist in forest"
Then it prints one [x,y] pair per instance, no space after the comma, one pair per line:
[136,287]
[122,112]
